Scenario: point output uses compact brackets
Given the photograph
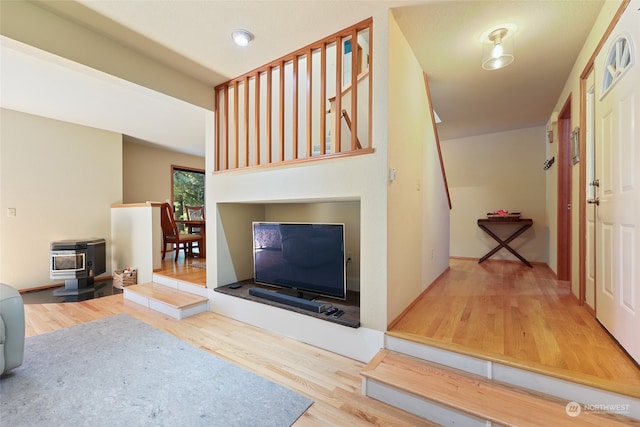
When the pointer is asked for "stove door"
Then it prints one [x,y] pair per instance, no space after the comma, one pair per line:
[67,264]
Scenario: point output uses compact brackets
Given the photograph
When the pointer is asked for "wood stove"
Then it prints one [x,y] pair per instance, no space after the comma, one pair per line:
[77,262]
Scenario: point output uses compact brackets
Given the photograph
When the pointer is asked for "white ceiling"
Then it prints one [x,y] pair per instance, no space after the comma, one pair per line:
[445,37]
[194,37]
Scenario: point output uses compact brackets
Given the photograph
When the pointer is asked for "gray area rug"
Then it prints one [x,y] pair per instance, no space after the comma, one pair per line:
[119,371]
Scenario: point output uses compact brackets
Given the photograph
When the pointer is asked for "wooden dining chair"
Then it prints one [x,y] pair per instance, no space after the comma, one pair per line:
[171,235]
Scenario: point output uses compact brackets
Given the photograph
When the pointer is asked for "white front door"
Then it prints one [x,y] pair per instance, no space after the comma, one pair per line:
[618,170]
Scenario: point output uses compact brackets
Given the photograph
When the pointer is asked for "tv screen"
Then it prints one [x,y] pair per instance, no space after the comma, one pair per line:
[305,257]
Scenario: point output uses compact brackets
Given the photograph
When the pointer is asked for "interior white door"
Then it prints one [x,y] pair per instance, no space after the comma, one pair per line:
[592,185]
[618,171]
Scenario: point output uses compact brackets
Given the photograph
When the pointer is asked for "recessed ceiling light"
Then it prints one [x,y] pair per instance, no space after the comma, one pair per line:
[242,37]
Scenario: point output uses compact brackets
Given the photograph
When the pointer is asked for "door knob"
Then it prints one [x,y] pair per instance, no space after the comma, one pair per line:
[595,183]
[595,201]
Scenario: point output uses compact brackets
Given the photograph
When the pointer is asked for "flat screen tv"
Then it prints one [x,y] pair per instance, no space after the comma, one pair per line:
[305,257]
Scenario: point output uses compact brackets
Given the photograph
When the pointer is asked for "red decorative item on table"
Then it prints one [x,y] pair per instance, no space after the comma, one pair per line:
[504,215]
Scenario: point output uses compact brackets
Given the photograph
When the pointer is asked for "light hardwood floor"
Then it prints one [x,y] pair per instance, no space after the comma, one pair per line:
[500,309]
[508,311]
[333,382]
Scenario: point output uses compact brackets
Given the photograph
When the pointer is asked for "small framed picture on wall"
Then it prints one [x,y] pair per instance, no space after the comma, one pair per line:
[575,145]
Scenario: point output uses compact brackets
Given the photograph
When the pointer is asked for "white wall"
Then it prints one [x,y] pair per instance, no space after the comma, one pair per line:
[360,178]
[241,196]
[31,24]
[62,179]
[418,224]
[399,222]
[136,238]
[497,171]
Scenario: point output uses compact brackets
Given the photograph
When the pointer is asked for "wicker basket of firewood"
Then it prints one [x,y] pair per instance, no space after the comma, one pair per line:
[126,277]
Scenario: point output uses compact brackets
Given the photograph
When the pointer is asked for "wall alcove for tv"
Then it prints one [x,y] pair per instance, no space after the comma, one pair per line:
[235,246]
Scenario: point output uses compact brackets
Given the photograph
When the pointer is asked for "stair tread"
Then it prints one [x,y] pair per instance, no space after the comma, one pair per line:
[560,373]
[167,295]
[478,396]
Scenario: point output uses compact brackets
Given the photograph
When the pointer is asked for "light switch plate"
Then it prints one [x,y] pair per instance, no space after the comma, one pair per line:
[11,211]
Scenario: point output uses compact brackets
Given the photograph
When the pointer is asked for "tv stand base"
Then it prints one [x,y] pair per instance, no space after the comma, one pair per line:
[349,308]
[316,307]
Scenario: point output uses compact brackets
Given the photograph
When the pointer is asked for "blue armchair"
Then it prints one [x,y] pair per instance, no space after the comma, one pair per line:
[12,328]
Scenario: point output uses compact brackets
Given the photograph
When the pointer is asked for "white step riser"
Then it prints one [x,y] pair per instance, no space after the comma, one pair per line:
[421,407]
[180,285]
[522,378]
[163,308]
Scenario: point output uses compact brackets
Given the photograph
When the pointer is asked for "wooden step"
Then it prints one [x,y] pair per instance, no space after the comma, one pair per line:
[545,378]
[182,283]
[480,398]
[173,302]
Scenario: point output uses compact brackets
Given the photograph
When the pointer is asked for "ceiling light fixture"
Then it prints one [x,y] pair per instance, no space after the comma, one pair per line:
[242,37]
[499,53]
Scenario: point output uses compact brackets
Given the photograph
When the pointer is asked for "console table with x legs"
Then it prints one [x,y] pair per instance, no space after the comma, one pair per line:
[523,225]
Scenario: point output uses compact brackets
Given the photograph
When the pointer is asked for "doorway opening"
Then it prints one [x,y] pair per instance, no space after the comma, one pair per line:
[564,192]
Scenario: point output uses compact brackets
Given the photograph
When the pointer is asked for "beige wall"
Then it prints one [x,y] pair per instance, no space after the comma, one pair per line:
[497,171]
[347,213]
[62,179]
[418,211]
[147,171]
[572,88]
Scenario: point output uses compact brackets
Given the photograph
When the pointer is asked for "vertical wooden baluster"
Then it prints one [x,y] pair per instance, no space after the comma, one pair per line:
[236,125]
[370,66]
[281,108]
[294,124]
[257,118]
[354,89]
[338,113]
[216,163]
[246,121]
[309,102]
[269,112]
[323,97]
[226,127]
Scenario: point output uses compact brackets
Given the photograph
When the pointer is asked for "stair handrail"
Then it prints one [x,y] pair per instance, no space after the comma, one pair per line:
[435,131]
[347,120]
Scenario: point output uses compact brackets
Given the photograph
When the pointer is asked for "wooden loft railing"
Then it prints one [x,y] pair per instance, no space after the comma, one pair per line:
[285,111]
